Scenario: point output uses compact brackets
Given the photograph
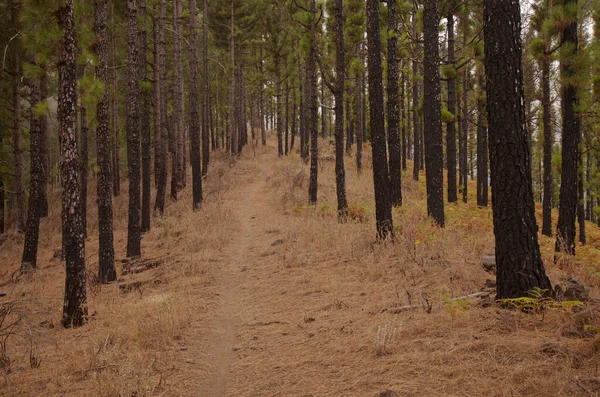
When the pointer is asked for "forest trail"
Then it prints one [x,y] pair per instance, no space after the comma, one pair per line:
[251,215]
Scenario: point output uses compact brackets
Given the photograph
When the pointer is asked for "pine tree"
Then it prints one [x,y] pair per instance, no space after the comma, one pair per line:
[432,115]
[106,251]
[393,107]
[144,118]
[383,204]
[160,108]
[194,116]
[519,267]
[75,302]
[133,133]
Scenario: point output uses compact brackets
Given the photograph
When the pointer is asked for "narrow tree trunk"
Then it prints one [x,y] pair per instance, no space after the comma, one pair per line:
[393,110]
[115,111]
[83,156]
[194,116]
[567,209]
[432,115]
[75,302]
[263,130]
[311,83]
[482,147]
[381,180]
[133,133]
[43,188]
[403,119]
[519,266]
[415,98]
[19,189]
[179,96]
[30,247]
[106,252]
[160,86]
[144,121]
[580,202]
[287,114]
[156,104]
[464,136]
[323,109]
[451,125]
[205,104]
[548,144]
[340,71]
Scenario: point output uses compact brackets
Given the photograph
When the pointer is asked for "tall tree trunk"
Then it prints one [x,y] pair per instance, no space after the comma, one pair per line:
[383,203]
[519,266]
[464,136]
[106,251]
[294,120]
[311,83]
[2,200]
[567,209]
[156,104]
[340,72]
[451,125]
[43,188]
[160,86]
[75,302]
[180,96]
[177,108]
[115,110]
[83,157]
[393,109]
[548,144]
[133,133]
[482,146]
[279,104]
[194,116]
[403,119]
[415,97]
[144,121]
[19,189]
[205,101]
[287,114]
[30,247]
[432,115]
[323,110]
[263,130]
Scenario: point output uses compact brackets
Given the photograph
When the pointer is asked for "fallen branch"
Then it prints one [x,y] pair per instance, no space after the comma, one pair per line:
[401,309]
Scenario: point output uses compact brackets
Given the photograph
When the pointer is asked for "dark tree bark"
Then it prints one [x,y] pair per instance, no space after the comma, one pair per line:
[415,98]
[160,88]
[383,203]
[323,110]
[349,123]
[393,109]
[115,112]
[179,95]
[311,83]
[174,130]
[463,137]
[263,130]
[156,104]
[106,251]
[19,189]
[2,200]
[194,116]
[294,119]
[403,117]
[580,203]
[205,100]
[30,247]
[451,126]
[432,115]
[75,302]
[567,209]
[519,267]
[482,147]
[43,188]
[83,154]
[548,144]
[287,114]
[340,72]
[144,121]
[279,110]
[133,133]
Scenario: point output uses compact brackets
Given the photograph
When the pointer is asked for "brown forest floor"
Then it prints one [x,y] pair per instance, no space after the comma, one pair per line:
[258,294]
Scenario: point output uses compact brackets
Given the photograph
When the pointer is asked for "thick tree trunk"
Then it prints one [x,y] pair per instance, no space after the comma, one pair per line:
[144,121]
[19,189]
[106,251]
[133,133]
[30,247]
[311,83]
[393,108]
[194,116]
[383,203]
[75,302]
[340,72]
[519,267]
[432,115]
[567,209]
[451,125]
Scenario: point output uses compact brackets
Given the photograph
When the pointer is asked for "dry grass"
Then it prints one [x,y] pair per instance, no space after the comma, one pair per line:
[309,301]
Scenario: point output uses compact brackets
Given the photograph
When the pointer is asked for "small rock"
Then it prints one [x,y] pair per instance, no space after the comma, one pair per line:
[279,241]
[490,283]
[189,361]
[236,348]
[575,290]
[488,260]
[388,393]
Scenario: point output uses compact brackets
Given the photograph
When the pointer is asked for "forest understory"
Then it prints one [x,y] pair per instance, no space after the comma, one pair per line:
[259,294]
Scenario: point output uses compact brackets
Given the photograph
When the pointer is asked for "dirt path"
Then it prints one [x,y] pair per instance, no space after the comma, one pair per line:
[248,211]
